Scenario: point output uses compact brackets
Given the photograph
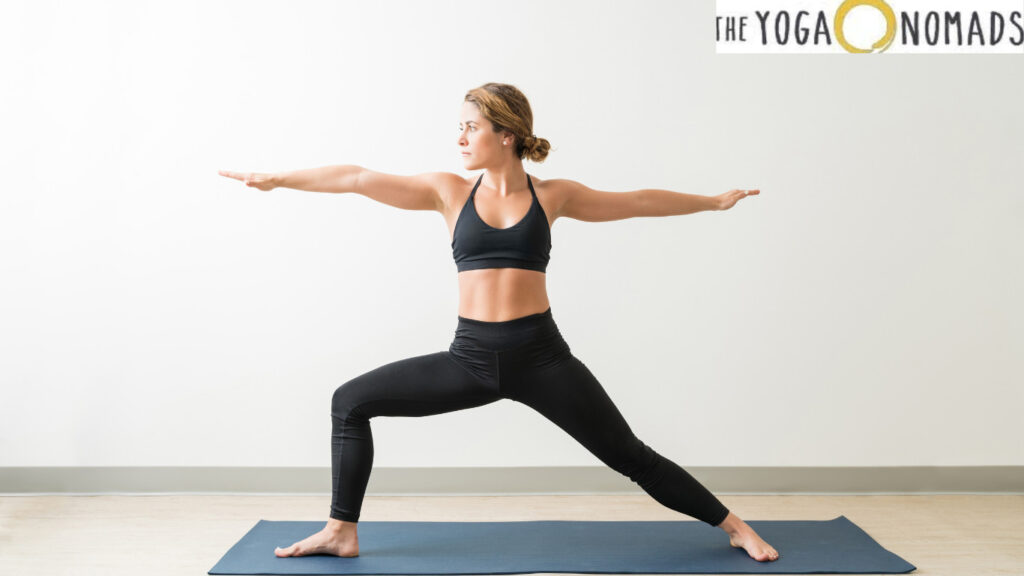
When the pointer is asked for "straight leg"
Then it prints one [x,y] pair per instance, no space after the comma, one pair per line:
[569,395]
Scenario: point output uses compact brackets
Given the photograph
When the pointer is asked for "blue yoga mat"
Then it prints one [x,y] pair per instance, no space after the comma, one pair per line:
[835,546]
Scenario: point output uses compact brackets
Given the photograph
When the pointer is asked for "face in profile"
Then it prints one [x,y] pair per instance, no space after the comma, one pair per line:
[478,144]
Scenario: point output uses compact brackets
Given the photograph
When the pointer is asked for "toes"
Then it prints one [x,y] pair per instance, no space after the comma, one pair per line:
[767,556]
[283,552]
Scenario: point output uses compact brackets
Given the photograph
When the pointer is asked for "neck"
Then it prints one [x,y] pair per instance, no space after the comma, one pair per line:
[507,178]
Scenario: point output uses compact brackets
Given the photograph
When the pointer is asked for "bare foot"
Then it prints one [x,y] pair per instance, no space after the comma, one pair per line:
[337,539]
[741,535]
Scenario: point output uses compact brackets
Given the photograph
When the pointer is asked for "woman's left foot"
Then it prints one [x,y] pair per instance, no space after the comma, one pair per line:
[741,535]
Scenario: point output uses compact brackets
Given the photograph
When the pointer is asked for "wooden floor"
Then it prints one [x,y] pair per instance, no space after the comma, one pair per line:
[946,535]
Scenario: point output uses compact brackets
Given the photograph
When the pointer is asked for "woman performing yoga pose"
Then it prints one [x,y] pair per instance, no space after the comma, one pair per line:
[506,343]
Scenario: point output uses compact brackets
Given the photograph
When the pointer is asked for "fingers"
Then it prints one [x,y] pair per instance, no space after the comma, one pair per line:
[734,196]
[245,177]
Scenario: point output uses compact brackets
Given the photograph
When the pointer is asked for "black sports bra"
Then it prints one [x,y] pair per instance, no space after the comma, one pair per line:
[527,244]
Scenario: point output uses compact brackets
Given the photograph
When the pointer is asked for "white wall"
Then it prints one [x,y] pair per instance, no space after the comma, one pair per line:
[864,310]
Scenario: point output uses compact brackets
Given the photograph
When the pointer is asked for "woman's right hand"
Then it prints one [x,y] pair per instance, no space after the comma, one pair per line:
[264,182]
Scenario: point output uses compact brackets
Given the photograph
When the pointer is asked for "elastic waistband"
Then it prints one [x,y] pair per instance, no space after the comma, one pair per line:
[506,334]
[522,320]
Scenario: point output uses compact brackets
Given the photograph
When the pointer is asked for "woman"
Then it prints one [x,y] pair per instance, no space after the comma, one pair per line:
[506,342]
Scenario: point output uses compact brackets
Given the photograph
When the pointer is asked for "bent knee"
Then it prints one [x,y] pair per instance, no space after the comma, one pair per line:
[346,400]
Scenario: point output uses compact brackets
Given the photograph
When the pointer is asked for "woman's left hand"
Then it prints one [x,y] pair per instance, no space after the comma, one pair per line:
[730,198]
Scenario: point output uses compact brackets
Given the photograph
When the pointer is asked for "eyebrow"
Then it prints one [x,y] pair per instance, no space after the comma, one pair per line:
[469,122]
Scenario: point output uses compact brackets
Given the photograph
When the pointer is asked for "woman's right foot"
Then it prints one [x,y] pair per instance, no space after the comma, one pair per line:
[337,539]
[741,535]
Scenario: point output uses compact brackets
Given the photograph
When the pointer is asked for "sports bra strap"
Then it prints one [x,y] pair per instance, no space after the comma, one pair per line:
[478,181]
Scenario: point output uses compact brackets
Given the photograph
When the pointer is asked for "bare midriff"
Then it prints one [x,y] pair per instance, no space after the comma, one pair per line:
[499,294]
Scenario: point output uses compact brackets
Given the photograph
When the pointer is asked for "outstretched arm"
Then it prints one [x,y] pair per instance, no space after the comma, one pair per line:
[583,203]
[419,192]
[334,179]
[665,203]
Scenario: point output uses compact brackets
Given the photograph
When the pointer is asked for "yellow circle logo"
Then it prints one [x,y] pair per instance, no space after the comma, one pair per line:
[890,25]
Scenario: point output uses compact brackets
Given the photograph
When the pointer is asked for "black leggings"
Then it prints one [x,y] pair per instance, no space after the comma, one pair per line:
[525,360]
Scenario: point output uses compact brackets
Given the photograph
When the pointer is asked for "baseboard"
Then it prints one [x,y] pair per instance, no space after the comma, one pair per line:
[521,480]
[540,480]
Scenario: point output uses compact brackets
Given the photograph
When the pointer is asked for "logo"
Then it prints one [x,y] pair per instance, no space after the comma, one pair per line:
[869,26]
[890,24]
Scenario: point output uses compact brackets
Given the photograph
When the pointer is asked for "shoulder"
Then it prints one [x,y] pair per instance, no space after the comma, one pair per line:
[442,181]
[452,188]
[555,192]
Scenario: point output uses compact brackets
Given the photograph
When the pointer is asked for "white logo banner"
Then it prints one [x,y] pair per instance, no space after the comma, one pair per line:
[869,26]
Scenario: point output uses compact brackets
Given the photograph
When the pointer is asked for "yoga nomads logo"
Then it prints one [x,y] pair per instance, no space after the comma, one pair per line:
[869,26]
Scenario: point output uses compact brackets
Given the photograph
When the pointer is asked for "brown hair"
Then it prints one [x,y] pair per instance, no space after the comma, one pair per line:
[508,110]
